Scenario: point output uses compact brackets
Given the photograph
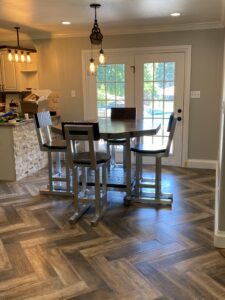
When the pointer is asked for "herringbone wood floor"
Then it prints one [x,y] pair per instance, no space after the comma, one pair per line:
[135,253]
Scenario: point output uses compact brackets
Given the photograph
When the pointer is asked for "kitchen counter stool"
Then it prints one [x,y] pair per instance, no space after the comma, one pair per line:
[47,143]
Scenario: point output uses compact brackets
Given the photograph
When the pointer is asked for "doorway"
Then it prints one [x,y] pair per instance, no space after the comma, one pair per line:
[155,82]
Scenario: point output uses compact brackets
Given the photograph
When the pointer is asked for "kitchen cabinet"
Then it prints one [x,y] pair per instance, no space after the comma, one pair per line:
[18,76]
[8,80]
[27,74]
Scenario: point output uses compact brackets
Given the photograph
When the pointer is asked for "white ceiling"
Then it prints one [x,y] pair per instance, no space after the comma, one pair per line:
[42,18]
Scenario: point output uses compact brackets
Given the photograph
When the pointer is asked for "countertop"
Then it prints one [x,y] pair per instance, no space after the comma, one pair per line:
[17,123]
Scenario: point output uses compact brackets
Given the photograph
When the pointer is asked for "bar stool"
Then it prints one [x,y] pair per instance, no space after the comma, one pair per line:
[52,145]
[120,113]
[142,150]
[81,161]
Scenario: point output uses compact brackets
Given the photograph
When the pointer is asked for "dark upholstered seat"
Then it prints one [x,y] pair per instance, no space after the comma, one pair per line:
[56,144]
[84,158]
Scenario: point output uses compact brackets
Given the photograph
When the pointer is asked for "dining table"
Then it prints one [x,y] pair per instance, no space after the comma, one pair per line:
[120,129]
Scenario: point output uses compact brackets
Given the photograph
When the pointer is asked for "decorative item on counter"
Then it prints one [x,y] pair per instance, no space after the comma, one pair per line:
[4,118]
[35,102]
[13,100]
[13,105]
[12,121]
[26,116]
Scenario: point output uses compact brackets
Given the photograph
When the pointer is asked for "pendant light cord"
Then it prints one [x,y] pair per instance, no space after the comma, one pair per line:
[17,34]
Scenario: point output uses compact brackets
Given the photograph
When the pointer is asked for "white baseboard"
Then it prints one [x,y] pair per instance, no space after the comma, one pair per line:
[219,239]
[201,164]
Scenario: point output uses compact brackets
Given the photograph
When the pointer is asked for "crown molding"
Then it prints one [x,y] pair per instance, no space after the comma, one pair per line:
[131,30]
[143,29]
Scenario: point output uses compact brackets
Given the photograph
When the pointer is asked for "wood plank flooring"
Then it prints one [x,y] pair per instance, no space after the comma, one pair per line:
[135,253]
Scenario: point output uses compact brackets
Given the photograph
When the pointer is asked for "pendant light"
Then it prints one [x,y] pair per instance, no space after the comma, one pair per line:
[96,38]
[101,57]
[17,53]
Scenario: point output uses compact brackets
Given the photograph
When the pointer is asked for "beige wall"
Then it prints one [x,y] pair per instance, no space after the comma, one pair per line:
[60,68]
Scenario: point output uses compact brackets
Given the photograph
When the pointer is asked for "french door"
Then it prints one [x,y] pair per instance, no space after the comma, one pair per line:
[153,83]
[159,91]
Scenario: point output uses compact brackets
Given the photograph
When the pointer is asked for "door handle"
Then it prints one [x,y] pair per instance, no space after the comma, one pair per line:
[179,110]
[179,119]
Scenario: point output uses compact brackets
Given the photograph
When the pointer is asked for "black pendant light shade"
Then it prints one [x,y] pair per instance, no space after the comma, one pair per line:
[96,35]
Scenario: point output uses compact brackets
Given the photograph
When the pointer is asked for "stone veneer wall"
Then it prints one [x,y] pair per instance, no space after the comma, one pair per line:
[28,157]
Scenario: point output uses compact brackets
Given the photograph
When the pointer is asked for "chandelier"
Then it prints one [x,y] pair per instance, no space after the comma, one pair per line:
[96,38]
[17,53]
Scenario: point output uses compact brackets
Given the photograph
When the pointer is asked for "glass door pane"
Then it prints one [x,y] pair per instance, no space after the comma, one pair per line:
[158,100]
[159,91]
[110,83]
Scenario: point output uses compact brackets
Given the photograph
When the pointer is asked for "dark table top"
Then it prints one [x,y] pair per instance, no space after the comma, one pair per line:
[118,128]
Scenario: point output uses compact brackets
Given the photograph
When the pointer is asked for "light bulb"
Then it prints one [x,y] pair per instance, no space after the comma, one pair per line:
[22,57]
[101,57]
[28,57]
[10,57]
[92,66]
[16,56]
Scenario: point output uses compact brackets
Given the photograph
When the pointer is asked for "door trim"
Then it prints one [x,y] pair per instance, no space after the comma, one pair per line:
[186,49]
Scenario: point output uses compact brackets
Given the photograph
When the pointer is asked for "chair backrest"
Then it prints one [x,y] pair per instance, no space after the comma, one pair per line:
[76,133]
[123,113]
[171,129]
[95,125]
[42,122]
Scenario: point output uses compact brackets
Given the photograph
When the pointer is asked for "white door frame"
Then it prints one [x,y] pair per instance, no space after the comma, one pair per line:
[186,49]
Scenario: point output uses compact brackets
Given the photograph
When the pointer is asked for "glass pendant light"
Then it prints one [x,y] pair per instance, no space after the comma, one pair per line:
[96,38]
[10,56]
[22,57]
[101,57]
[28,57]
[16,56]
[17,53]
[92,66]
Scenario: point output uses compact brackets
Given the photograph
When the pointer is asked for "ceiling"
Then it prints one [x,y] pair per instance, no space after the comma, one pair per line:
[42,18]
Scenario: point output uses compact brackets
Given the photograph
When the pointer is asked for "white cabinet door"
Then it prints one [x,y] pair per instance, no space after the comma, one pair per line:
[27,74]
[8,70]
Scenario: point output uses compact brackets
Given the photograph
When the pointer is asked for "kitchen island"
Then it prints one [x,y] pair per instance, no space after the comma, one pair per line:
[20,154]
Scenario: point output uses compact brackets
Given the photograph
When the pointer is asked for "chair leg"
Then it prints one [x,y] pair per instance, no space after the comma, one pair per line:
[79,211]
[97,198]
[108,152]
[138,167]
[58,164]
[84,180]
[124,156]
[158,178]
[113,157]
[76,189]
[50,171]
[104,186]
[68,181]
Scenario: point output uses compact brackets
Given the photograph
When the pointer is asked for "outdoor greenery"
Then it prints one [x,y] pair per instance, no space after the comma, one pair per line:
[110,88]
[158,88]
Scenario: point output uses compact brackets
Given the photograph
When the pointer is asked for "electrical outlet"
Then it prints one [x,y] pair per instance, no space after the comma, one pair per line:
[73,93]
